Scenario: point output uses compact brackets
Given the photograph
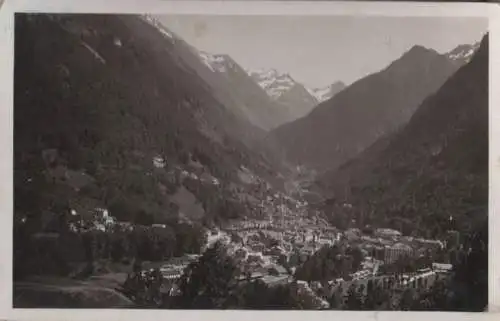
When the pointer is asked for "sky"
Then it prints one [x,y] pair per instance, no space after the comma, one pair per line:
[319,50]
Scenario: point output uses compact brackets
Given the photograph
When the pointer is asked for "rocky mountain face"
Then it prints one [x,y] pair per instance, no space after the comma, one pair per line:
[117,112]
[430,175]
[343,126]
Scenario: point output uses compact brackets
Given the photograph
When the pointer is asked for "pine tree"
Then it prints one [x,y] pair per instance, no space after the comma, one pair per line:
[336,300]
[407,300]
[376,296]
[208,283]
[353,300]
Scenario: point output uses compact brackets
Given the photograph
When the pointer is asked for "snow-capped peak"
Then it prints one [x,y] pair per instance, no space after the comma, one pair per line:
[272,81]
[463,52]
[217,62]
[155,23]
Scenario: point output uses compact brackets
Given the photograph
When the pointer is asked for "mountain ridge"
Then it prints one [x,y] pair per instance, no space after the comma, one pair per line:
[431,174]
[340,128]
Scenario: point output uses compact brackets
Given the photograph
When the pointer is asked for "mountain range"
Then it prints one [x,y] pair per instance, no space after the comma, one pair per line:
[269,98]
[107,127]
[290,99]
[285,90]
[343,126]
[432,172]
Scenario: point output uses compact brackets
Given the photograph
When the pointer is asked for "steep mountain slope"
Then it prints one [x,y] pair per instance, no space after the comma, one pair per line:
[298,101]
[286,92]
[433,173]
[376,105]
[110,111]
[229,83]
[219,86]
[260,109]
[325,93]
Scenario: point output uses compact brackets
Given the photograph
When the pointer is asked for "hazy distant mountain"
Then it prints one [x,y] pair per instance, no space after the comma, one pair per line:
[286,91]
[325,93]
[430,175]
[356,117]
[298,101]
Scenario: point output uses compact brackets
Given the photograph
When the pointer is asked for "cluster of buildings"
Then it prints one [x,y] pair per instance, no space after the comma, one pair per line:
[172,269]
[385,246]
[382,246]
[369,268]
[266,254]
[389,245]
[419,279]
[100,220]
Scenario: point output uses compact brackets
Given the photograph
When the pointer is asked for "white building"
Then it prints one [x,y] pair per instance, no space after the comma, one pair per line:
[159,225]
[442,267]
[117,42]
[159,162]
[109,221]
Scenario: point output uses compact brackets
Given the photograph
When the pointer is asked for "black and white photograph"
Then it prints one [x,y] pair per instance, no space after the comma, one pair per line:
[250,162]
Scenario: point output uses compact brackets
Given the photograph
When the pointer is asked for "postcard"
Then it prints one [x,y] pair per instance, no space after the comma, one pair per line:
[179,157]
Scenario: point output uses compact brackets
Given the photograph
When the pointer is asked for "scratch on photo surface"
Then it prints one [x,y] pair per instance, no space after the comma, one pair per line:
[94,52]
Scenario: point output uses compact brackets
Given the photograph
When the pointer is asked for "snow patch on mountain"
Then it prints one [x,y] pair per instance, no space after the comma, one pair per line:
[276,84]
[463,52]
[217,62]
[155,23]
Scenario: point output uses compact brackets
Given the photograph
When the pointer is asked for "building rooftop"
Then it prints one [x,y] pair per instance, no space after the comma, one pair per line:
[271,280]
[442,266]
[387,231]
[401,246]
